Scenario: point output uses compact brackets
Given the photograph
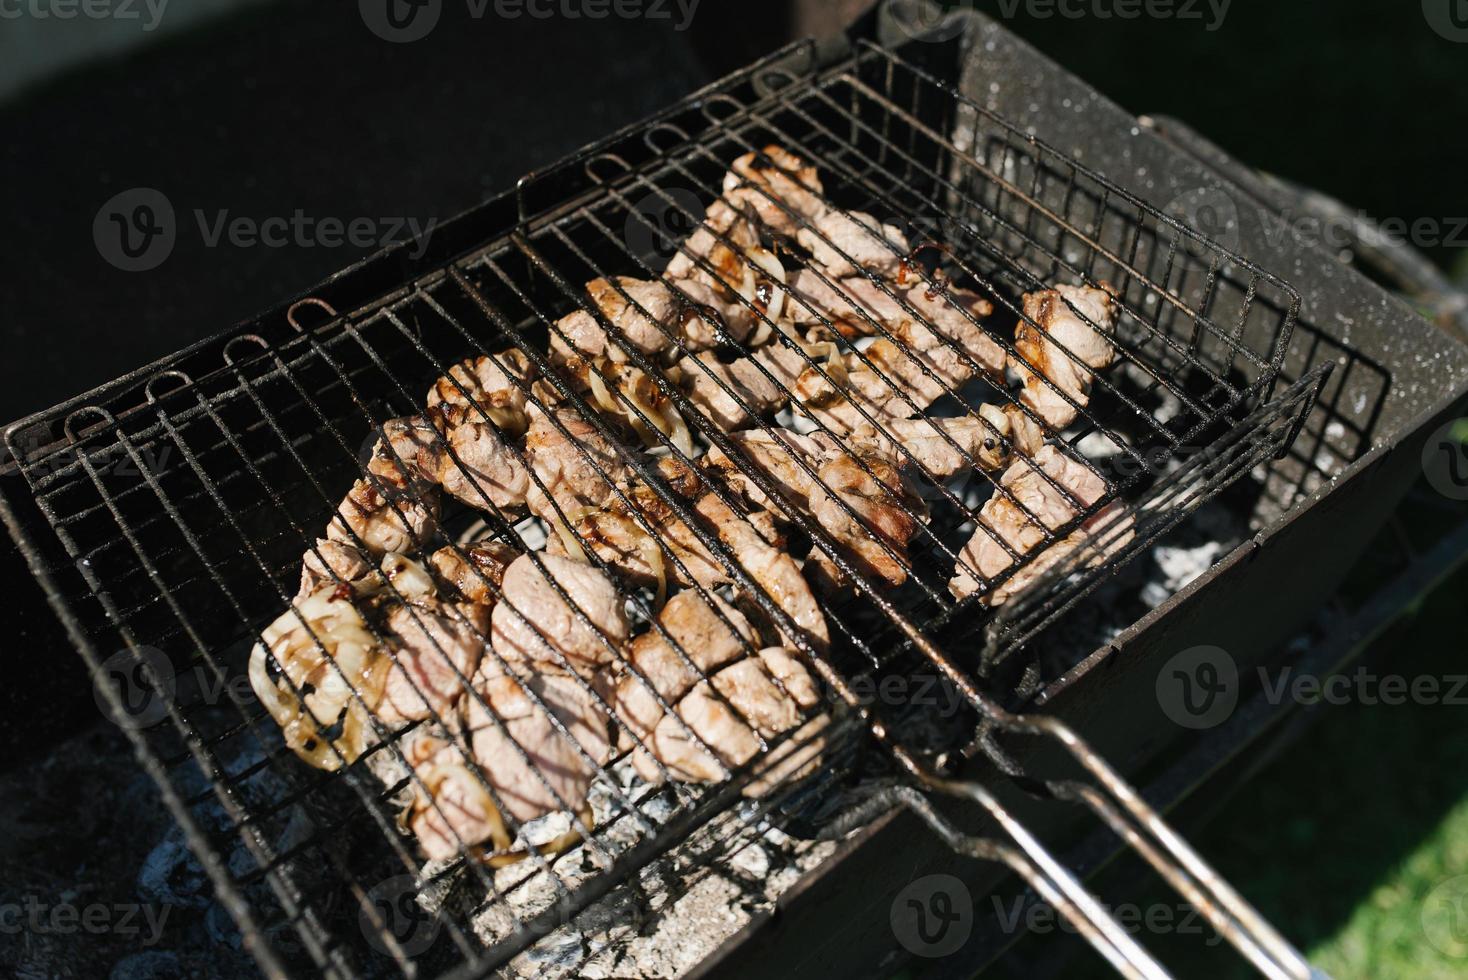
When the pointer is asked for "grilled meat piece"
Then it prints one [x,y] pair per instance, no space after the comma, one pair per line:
[721,240]
[438,648]
[777,453]
[886,508]
[533,767]
[1072,488]
[777,187]
[488,383]
[577,468]
[330,562]
[917,316]
[451,810]
[617,536]
[772,569]
[845,244]
[708,320]
[924,357]
[1065,338]
[474,572]
[489,472]
[640,310]
[1026,433]
[381,524]
[943,447]
[745,381]
[417,452]
[720,723]
[702,636]
[879,509]
[407,454]
[532,623]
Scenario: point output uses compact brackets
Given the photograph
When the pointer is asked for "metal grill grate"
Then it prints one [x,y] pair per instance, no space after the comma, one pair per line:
[182,498]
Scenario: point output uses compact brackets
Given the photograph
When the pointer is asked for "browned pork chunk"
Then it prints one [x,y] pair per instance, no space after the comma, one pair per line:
[1064,339]
[534,623]
[534,768]
[870,510]
[777,187]
[1039,507]
[724,722]
[438,648]
[475,571]
[702,636]
[494,384]
[943,447]
[576,467]
[715,253]
[845,244]
[639,310]
[451,811]
[330,562]
[380,524]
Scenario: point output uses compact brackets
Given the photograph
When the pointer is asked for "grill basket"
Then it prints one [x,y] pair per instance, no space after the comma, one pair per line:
[166,513]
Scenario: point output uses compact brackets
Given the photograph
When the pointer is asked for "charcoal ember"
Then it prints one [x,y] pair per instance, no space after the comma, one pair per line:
[172,877]
[152,965]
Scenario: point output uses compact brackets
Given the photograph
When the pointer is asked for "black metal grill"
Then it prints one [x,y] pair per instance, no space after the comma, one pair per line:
[183,497]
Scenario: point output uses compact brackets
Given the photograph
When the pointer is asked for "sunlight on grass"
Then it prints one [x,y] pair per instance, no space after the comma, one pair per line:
[1385,936]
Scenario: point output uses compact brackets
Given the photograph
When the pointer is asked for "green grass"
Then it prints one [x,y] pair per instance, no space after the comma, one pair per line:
[1383,936]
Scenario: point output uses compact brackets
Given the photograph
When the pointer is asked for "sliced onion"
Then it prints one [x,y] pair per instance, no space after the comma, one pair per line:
[511,421]
[267,692]
[410,577]
[766,260]
[761,334]
[569,541]
[652,553]
[435,776]
[347,658]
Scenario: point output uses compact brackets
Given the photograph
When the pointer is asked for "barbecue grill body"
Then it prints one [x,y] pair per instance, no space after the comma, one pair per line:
[1397,379]
[1382,398]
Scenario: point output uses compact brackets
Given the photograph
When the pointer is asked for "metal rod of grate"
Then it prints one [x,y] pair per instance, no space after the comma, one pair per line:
[886,135]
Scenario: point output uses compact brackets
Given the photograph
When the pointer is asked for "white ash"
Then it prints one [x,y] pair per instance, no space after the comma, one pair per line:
[1098,445]
[1179,566]
[678,911]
